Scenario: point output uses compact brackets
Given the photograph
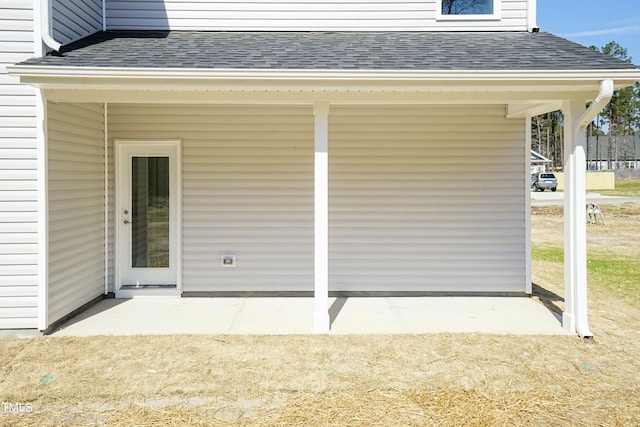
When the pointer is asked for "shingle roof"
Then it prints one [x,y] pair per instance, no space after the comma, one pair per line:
[435,51]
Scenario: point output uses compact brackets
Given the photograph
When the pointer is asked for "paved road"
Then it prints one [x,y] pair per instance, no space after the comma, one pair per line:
[549,198]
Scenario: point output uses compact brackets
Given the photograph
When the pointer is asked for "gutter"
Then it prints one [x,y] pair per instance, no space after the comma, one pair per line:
[45,22]
[603,98]
[630,75]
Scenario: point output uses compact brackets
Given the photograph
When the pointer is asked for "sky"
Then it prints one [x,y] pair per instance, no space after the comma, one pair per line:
[593,22]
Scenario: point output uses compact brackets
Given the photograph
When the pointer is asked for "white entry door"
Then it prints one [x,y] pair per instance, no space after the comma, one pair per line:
[147,218]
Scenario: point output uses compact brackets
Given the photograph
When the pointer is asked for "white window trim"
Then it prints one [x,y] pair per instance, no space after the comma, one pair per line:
[496,15]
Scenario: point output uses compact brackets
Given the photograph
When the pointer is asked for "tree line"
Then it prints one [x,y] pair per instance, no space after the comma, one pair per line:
[620,118]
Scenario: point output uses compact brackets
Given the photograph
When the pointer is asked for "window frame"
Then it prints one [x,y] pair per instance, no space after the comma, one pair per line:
[496,15]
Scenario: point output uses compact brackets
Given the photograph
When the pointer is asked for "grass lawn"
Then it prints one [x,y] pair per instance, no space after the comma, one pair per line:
[619,277]
[624,187]
[383,380]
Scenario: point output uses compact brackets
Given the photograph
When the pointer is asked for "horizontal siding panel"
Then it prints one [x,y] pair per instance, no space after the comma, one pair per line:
[17,153]
[299,15]
[19,301]
[18,270]
[15,46]
[16,217]
[19,122]
[18,291]
[327,24]
[17,164]
[15,56]
[19,206]
[14,93]
[16,259]
[13,242]
[18,313]
[76,206]
[17,111]
[14,132]
[8,38]
[426,199]
[18,323]
[62,231]
[7,227]
[23,192]
[20,248]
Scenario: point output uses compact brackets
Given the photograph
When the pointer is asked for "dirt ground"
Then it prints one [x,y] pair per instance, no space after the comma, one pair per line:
[409,380]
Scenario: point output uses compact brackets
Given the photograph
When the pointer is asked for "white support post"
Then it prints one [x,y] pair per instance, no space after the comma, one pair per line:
[43,211]
[574,318]
[321,321]
[528,286]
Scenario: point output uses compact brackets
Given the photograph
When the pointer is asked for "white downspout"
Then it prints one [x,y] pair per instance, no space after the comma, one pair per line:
[603,98]
[46,25]
[575,315]
[532,25]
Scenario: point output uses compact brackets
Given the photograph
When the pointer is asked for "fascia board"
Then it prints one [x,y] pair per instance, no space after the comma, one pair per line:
[625,75]
[331,85]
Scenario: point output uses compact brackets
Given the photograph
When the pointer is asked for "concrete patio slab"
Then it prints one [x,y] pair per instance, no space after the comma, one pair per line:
[285,316]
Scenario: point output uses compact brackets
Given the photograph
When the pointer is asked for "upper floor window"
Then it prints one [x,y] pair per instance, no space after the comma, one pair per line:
[468,9]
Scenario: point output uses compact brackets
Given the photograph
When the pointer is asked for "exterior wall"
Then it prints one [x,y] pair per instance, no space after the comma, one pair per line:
[411,210]
[76,206]
[247,190]
[301,15]
[18,189]
[75,19]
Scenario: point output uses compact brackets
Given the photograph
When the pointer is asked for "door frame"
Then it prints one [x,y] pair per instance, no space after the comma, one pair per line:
[174,147]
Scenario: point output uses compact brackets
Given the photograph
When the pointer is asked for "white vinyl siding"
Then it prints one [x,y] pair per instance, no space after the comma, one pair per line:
[426,199]
[301,15]
[18,189]
[76,206]
[75,19]
[247,190]
[422,198]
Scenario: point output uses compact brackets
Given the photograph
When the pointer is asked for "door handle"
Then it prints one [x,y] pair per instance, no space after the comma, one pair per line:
[126,221]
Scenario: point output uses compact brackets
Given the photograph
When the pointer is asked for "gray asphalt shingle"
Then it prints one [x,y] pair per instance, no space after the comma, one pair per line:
[507,51]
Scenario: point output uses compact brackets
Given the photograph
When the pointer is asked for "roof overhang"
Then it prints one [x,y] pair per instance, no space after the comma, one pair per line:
[526,92]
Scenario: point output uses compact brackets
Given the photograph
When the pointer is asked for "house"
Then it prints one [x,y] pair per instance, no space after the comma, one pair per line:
[538,162]
[606,152]
[166,148]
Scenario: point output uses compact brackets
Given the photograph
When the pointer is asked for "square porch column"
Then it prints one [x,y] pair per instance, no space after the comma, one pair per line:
[321,321]
[574,318]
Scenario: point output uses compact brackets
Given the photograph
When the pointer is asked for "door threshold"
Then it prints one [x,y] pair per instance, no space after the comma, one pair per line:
[148,291]
[135,286]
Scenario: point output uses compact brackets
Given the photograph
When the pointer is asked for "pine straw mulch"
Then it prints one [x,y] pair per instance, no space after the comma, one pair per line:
[408,380]
[442,379]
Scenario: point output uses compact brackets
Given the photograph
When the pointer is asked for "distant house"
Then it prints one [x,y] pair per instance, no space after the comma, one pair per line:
[538,162]
[613,152]
[167,148]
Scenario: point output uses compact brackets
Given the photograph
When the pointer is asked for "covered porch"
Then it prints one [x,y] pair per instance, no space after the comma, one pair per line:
[307,180]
